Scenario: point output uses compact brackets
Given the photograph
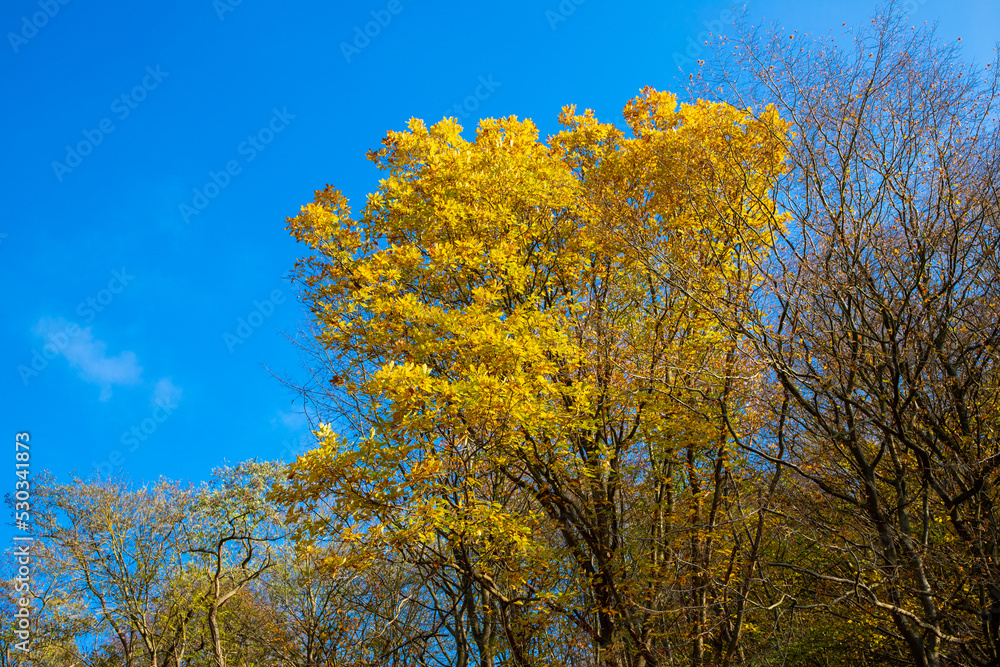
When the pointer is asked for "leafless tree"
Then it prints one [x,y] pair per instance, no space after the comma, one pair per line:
[877,314]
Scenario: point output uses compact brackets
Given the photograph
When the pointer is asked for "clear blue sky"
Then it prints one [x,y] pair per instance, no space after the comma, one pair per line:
[116,114]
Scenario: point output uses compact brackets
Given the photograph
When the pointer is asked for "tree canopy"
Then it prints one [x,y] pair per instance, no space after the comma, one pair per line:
[528,399]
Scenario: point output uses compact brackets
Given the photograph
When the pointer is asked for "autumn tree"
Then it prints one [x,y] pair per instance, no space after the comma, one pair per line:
[514,398]
[877,316]
[231,537]
[157,576]
[115,551]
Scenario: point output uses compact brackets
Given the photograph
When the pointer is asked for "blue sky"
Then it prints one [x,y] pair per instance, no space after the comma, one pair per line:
[152,153]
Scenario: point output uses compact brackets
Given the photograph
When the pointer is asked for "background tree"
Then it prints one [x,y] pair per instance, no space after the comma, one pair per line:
[160,576]
[877,315]
[231,535]
[116,551]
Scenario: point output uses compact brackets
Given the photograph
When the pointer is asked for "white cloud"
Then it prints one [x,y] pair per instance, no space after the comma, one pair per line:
[166,393]
[90,355]
[298,438]
[293,421]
